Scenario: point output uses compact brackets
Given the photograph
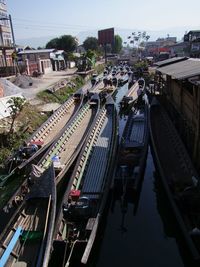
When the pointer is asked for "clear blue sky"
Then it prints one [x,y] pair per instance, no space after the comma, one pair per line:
[38,18]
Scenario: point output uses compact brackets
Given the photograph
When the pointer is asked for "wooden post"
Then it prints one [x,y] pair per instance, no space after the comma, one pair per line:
[197,132]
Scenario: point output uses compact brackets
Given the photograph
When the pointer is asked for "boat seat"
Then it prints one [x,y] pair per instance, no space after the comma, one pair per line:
[20,264]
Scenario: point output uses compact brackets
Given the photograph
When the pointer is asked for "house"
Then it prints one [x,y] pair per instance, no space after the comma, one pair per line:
[42,60]
[159,49]
[181,95]
[193,40]
[179,49]
[58,60]
[37,61]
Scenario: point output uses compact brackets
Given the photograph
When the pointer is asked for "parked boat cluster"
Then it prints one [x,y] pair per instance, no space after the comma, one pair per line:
[82,136]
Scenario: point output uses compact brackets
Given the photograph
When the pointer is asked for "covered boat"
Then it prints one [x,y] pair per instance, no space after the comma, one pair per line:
[132,151]
[178,175]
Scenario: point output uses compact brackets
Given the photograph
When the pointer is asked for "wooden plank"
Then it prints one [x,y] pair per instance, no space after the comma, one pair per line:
[10,247]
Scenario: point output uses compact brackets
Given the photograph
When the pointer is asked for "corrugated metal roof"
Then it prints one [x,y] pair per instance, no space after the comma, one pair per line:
[170,61]
[182,70]
[36,51]
[99,159]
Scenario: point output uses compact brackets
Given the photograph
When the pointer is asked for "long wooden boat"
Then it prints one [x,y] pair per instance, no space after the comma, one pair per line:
[45,135]
[130,96]
[132,152]
[84,200]
[27,237]
[123,79]
[178,175]
[62,153]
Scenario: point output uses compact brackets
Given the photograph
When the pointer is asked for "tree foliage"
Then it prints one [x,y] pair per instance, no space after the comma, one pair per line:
[53,43]
[16,105]
[90,43]
[67,43]
[117,44]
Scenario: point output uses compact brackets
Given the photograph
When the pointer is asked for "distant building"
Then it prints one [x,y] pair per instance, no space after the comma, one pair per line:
[179,49]
[192,38]
[80,49]
[159,49]
[37,61]
[42,60]
[6,42]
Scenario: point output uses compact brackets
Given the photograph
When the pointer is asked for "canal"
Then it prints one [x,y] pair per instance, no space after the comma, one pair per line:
[141,233]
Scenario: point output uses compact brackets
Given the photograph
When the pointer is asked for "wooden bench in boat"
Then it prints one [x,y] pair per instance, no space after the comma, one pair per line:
[11,245]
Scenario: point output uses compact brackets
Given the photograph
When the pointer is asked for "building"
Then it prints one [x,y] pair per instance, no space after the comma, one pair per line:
[58,60]
[42,60]
[179,49]
[179,82]
[159,49]
[192,38]
[6,40]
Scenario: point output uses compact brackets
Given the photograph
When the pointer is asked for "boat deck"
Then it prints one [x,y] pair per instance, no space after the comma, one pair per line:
[98,161]
[134,135]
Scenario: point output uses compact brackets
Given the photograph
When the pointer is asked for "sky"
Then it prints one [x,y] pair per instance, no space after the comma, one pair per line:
[41,18]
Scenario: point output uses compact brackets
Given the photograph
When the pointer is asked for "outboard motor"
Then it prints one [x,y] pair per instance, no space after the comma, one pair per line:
[80,210]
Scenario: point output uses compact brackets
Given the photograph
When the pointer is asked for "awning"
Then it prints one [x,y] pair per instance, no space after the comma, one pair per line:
[182,70]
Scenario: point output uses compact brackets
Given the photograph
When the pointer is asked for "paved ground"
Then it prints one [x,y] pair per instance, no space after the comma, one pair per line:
[46,81]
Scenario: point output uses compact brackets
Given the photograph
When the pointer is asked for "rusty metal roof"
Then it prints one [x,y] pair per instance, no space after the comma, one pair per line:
[182,70]
[170,61]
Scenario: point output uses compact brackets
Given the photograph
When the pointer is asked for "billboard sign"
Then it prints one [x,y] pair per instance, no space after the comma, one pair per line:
[106,37]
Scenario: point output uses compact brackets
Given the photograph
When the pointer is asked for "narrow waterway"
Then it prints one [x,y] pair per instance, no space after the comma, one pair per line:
[142,232]
[135,235]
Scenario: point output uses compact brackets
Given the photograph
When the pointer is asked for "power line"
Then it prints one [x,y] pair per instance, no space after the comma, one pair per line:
[53,24]
[44,26]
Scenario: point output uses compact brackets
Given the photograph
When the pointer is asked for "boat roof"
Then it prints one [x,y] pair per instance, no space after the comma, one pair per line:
[109,100]
[43,185]
[135,132]
[93,180]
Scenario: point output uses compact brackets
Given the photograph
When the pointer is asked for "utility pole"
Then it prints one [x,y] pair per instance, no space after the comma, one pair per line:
[13,37]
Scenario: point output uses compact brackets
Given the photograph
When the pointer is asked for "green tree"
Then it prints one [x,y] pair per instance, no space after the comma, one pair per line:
[67,43]
[53,43]
[16,105]
[91,57]
[117,44]
[90,43]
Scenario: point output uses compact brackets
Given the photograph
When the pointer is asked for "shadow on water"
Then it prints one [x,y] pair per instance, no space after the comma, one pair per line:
[138,238]
[141,231]
[170,226]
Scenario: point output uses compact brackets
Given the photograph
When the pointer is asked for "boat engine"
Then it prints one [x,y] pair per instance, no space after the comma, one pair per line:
[78,210]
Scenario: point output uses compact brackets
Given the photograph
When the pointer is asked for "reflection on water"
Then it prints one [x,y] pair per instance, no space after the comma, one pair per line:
[138,238]
[140,230]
